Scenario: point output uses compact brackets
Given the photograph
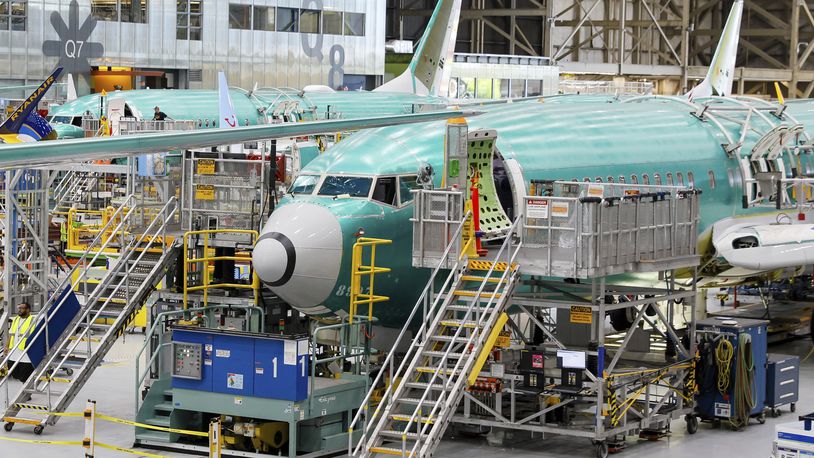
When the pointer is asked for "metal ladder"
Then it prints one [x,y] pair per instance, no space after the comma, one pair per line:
[446,355]
[79,350]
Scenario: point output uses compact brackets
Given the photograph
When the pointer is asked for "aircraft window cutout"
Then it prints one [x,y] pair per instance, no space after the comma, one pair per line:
[634,179]
[407,184]
[680,178]
[645,178]
[586,180]
[657,179]
[691,180]
[340,185]
[669,179]
[711,179]
[304,184]
[385,190]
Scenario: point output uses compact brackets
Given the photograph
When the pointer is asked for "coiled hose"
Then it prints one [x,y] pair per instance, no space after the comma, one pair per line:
[744,397]
[723,357]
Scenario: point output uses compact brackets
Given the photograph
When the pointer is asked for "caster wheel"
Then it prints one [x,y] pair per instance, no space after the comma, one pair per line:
[601,449]
[8,426]
[775,413]
[692,424]
[38,429]
[69,371]
[793,407]
[761,418]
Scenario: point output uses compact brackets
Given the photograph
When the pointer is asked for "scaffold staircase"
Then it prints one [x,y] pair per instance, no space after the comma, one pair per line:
[72,189]
[104,315]
[446,356]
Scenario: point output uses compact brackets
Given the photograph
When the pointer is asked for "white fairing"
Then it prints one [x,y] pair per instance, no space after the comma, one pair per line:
[318,88]
[299,255]
[767,246]
[227,118]
[721,71]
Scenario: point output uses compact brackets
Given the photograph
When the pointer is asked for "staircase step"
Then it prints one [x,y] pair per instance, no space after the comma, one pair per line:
[164,407]
[399,435]
[389,451]
[432,370]
[484,266]
[158,421]
[406,418]
[478,279]
[465,308]
[416,401]
[483,295]
[440,354]
[424,386]
[459,339]
[155,436]
[460,323]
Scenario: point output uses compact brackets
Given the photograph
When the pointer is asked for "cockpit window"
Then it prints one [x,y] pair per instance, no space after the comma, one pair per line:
[352,186]
[407,184]
[385,190]
[304,184]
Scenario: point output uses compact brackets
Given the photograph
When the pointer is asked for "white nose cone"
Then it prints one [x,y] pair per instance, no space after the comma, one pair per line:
[299,255]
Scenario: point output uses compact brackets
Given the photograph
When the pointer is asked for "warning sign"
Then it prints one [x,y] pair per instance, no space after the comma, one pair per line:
[206,167]
[503,340]
[560,209]
[537,208]
[205,192]
[581,314]
[596,190]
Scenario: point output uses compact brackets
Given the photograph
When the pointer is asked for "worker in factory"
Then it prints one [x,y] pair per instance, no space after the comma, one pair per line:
[21,327]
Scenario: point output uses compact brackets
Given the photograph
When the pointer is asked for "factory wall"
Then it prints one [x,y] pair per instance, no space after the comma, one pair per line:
[190,40]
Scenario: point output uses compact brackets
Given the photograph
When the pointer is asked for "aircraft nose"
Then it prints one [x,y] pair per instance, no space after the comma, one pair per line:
[299,255]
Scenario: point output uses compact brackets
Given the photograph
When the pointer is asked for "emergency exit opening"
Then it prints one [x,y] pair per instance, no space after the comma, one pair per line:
[495,195]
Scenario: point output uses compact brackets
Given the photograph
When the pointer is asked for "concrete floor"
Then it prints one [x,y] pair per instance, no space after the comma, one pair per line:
[112,388]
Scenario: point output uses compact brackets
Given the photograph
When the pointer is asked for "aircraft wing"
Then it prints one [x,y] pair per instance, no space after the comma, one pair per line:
[82,149]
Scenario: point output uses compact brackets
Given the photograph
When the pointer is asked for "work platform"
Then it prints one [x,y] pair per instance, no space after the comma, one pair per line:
[498,331]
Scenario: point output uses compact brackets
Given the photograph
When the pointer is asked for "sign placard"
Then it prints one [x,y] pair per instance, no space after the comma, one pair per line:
[537,208]
[206,167]
[581,314]
[205,192]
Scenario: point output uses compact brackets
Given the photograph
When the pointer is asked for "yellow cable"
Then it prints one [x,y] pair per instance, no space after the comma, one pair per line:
[723,356]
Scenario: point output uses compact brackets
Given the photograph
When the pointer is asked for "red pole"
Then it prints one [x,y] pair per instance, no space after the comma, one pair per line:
[476,216]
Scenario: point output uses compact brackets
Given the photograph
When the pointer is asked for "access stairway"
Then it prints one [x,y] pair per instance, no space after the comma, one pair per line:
[106,312]
[72,189]
[446,356]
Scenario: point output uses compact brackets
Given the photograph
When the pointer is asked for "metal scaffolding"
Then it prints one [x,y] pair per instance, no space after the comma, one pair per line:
[665,40]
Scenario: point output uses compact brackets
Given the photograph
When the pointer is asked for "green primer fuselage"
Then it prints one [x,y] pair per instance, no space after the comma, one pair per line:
[549,141]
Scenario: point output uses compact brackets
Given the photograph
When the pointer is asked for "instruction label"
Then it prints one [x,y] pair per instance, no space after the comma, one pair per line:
[537,208]
[206,167]
[581,314]
[560,209]
[205,192]
[290,353]
[234,381]
[223,353]
[596,190]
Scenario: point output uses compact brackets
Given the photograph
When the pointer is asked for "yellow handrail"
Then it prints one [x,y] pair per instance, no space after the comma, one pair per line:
[205,260]
[359,270]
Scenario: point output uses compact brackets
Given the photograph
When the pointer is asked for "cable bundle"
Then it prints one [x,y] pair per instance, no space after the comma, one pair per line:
[723,356]
[744,397]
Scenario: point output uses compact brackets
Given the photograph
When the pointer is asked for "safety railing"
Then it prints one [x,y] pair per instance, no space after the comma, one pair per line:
[360,271]
[136,126]
[603,229]
[436,215]
[60,295]
[78,233]
[205,260]
[426,302]
[484,316]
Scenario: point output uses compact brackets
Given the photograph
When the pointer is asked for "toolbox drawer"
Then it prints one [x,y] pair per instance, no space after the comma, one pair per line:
[782,380]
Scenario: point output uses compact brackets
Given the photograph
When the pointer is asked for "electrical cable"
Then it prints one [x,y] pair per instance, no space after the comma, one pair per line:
[745,389]
[723,357]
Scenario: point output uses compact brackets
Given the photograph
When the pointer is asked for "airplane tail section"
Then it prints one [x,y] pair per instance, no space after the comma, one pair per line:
[227,119]
[25,119]
[721,73]
[71,96]
[428,73]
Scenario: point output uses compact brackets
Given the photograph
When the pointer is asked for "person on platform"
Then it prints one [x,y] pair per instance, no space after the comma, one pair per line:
[20,330]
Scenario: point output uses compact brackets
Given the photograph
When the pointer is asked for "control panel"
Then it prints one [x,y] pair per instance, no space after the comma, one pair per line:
[187,360]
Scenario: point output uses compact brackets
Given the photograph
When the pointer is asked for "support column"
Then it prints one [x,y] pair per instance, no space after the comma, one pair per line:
[793,51]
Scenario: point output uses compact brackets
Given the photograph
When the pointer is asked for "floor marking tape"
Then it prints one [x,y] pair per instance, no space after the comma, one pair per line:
[127,450]
[146,426]
[40,441]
